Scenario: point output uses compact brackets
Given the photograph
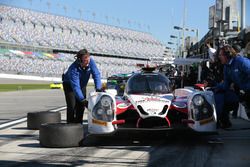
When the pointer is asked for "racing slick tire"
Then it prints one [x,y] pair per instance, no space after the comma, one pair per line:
[61,135]
[36,119]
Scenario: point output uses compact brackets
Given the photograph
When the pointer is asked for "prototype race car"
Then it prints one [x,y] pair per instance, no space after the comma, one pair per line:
[148,103]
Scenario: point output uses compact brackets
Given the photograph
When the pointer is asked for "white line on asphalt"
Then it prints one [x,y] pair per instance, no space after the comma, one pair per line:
[12,123]
[58,109]
[25,119]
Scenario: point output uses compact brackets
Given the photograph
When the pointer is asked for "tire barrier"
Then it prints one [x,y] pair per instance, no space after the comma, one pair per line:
[36,119]
[61,135]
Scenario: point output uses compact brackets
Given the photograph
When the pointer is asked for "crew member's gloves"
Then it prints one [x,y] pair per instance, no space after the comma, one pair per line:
[85,103]
[99,90]
[211,89]
[242,96]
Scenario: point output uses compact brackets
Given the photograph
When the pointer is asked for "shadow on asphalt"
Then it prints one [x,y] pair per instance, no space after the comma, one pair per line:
[31,145]
[131,138]
[125,138]
[128,138]
[30,164]
[18,136]
[20,128]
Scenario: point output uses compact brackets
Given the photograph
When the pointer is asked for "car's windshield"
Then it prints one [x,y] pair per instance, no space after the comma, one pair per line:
[111,84]
[148,83]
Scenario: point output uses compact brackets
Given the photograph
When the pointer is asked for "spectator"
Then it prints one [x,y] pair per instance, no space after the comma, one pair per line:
[75,80]
[247,50]
[192,77]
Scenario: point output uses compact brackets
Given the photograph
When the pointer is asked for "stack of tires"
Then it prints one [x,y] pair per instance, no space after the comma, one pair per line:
[53,133]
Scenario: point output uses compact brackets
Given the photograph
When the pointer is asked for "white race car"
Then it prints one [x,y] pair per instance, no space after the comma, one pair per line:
[149,104]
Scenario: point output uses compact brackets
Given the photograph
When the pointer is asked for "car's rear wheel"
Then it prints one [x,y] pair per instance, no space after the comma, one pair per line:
[61,135]
[36,119]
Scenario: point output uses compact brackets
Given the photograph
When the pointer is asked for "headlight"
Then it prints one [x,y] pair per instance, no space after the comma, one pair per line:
[200,108]
[109,112]
[205,110]
[106,101]
[104,109]
[100,111]
[198,100]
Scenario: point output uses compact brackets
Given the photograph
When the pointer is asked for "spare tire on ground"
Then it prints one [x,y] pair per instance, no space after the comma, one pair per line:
[61,135]
[35,119]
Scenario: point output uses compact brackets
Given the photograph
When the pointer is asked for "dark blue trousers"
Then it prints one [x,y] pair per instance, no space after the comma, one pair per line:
[225,101]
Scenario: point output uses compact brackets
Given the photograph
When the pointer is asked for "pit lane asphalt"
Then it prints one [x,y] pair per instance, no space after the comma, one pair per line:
[17,104]
[20,147]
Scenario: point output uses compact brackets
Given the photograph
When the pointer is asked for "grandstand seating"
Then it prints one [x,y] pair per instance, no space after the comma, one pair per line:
[36,29]
[45,64]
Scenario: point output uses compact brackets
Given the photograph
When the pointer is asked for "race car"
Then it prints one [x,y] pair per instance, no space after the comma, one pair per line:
[56,85]
[148,103]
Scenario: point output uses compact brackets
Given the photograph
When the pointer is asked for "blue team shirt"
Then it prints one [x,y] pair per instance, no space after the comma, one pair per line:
[78,77]
[237,71]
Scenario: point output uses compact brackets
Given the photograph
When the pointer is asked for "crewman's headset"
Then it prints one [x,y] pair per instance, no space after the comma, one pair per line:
[80,54]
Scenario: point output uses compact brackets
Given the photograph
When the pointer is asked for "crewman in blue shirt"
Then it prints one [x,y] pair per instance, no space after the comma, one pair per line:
[75,80]
[236,71]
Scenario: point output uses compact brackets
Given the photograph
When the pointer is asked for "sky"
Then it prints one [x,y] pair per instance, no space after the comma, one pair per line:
[157,17]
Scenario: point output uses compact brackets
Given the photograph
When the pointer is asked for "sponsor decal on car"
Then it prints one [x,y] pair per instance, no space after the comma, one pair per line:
[206,121]
[152,111]
[123,105]
[151,99]
[98,122]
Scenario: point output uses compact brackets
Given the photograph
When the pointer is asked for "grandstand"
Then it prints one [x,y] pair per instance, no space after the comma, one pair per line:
[33,43]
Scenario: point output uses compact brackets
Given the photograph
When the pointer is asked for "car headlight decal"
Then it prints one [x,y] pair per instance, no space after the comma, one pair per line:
[164,110]
[142,110]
